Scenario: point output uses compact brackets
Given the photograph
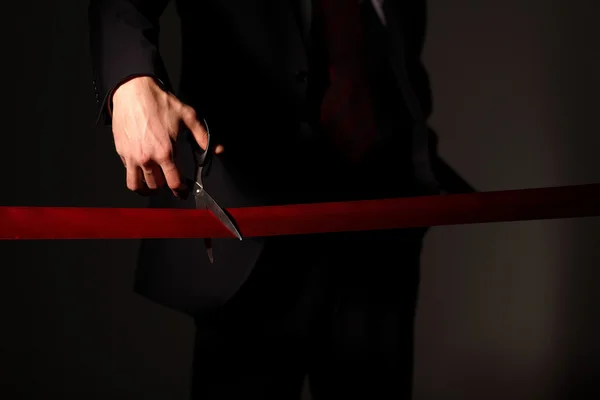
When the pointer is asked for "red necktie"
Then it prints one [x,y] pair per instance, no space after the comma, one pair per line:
[347,113]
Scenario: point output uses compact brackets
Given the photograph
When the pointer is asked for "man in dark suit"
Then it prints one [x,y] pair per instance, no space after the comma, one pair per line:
[308,103]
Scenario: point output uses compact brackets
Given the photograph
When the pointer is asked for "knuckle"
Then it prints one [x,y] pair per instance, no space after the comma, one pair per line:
[121,150]
[144,160]
[163,156]
[174,181]
[189,112]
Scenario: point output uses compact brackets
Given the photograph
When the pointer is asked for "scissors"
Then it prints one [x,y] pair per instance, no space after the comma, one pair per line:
[204,201]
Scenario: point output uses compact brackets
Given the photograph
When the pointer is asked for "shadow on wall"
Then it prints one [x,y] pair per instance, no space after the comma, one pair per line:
[510,310]
[507,311]
[580,46]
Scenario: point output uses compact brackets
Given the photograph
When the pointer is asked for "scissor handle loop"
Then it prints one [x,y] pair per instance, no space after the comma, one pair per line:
[200,156]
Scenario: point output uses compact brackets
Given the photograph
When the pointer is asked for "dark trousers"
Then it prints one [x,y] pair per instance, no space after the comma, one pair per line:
[338,308]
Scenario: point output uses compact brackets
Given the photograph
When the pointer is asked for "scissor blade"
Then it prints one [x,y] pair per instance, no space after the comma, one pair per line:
[210,204]
[209,250]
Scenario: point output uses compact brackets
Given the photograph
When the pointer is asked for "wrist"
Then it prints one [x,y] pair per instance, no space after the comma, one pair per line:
[132,87]
[133,84]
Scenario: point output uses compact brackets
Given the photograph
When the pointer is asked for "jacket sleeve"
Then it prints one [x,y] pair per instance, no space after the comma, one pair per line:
[124,44]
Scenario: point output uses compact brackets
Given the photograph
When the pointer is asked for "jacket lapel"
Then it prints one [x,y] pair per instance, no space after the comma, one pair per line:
[302,10]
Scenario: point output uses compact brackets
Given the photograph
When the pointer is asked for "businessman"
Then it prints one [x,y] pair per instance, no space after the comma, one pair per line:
[309,101]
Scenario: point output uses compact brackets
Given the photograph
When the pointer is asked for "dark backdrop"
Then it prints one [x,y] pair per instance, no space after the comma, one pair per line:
[507,310]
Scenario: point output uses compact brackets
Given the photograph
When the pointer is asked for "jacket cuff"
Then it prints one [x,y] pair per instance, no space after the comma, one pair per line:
[105,113]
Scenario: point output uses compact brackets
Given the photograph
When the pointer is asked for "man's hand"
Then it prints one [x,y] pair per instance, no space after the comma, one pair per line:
[146,121]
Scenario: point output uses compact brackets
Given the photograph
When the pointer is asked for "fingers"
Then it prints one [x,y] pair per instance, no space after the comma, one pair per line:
[151,173]
[219,149]
[190,119]
[153,176]
[134,179]
[143,180]
[173,178]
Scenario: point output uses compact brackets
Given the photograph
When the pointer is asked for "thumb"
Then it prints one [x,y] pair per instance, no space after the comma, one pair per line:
[198,129]
[189,118]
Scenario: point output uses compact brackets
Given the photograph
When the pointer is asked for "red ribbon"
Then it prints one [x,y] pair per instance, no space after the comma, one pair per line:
[134,223]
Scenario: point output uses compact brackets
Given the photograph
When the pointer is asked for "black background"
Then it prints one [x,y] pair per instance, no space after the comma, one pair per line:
[507,310]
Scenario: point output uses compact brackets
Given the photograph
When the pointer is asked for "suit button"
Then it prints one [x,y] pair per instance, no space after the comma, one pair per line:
[301,76]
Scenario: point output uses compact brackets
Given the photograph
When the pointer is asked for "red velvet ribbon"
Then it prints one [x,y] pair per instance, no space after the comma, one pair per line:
[133,223]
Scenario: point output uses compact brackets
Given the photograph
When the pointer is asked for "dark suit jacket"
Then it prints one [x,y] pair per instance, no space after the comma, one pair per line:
[245,69]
